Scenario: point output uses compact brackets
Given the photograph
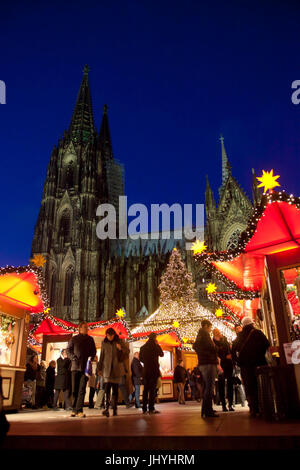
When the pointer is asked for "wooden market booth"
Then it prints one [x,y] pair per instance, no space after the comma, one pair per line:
[51,334]
[266,264]
[21,294]
[170,342]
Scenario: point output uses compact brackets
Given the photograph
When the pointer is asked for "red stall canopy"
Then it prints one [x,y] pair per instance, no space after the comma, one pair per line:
[242,307]
[165,338]
[22,288]
[278,229]
[51,325]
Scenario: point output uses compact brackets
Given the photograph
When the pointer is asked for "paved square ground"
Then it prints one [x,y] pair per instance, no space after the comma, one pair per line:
[176,427]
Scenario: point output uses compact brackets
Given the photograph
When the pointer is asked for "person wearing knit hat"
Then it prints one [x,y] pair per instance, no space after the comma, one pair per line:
[250,348]
[247,321]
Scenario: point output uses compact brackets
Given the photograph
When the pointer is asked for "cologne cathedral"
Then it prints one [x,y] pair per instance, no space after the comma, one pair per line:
[88,278]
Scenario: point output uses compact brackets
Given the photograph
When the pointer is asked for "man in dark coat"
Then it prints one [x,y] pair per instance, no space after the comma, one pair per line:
[63,380]
[179,379]
[207,362]
[238,329]
[80,348]
[250,349]
[149,354]
[224,353]
[50,379]
[136,377]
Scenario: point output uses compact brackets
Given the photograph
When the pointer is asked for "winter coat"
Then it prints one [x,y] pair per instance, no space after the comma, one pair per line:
[41,376]
[205,348]
[30,373]
[223,349]
[180,375]
[149,354]
[125,349]
[92,377]
[251,350]
[79,349]
[136,371]
[50,379]
[62,380]
[196,376]
[110,364]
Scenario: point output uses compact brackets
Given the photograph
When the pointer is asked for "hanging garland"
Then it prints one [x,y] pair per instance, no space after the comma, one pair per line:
[248,233]
[7,323]
[219,256]
[74,329]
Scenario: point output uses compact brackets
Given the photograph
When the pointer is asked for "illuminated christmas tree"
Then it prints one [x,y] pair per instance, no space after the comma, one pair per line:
[178,305]
[177,290]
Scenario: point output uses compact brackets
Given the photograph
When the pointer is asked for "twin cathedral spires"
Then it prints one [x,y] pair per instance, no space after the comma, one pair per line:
[88,278]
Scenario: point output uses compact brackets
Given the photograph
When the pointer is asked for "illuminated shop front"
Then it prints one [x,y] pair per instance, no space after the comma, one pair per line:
[21,293]
[263,279]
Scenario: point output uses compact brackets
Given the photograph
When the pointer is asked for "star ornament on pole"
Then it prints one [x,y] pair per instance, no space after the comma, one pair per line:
[198,247]
[176,324]
[120,313]
[211,288]
[38,260]
[268,180]
[219,312]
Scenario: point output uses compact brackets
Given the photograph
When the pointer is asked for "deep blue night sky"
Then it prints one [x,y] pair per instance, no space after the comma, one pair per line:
[175,74]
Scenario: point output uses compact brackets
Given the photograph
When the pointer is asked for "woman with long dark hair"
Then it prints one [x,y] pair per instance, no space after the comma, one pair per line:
[112,355]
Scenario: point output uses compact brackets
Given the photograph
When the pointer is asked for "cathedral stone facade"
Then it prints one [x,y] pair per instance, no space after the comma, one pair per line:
[88,278]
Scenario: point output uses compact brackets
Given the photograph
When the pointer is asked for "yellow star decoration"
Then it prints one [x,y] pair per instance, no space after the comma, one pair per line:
[38,260]
[120,313]
[268,180]
[184,340]
[219,312]
[175,324]
[211,288]
[47,311]
[198,247]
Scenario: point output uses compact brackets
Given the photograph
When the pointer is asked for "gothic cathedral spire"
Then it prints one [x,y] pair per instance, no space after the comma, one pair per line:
[225,163]
[104,135]
[82,123]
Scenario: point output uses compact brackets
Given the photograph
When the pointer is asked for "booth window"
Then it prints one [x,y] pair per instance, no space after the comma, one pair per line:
[290,282]
[69,283]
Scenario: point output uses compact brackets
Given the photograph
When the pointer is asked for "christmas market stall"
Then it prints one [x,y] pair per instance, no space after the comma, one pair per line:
[22,293]
[262,275]
[170,341]
[181,314]
[50,334]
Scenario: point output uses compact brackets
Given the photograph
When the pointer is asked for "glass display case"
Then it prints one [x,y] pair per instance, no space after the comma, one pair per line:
[13,334]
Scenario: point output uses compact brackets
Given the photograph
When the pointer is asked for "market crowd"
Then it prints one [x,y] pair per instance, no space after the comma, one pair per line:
[225,373]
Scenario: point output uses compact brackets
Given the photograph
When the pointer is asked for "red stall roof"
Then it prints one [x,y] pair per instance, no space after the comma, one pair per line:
[278,229]
[165,338]
[242,307]
[51,325]
[22,288]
